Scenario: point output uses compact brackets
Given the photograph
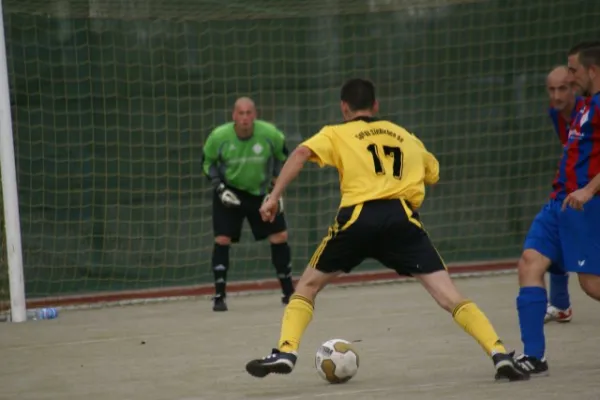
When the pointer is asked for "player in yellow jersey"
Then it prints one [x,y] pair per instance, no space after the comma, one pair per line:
[383,171]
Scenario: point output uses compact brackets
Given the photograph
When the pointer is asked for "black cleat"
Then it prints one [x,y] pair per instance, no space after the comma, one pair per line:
[532,365]
[219,304]
[275,363]
[508,368]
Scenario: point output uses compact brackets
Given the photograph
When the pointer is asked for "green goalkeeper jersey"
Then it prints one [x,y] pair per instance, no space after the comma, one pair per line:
[245,164]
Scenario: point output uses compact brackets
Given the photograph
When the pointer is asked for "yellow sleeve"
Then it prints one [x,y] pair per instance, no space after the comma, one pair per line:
[322,148]
[432,165]
[421,145]
[432,168]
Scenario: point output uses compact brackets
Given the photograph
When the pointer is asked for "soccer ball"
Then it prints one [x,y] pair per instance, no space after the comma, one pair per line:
[336,361]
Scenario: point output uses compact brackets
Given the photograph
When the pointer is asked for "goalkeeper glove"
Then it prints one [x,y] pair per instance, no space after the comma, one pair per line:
[227,197]
[279,203]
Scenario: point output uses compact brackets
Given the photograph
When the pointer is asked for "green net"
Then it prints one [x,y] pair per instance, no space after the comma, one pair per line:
[112,101]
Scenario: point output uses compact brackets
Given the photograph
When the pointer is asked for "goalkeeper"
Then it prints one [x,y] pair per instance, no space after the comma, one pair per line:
[242,159]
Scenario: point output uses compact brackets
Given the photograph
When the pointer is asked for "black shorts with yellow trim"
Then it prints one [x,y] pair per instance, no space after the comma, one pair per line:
[385,230]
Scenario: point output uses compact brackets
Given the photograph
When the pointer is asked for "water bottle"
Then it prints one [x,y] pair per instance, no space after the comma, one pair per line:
[34,314]
[42,313]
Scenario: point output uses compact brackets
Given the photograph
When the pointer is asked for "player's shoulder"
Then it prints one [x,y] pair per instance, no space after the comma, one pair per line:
[222,131]
[594,101]
[553,112]
[357,126]
[265,128]
[362,128]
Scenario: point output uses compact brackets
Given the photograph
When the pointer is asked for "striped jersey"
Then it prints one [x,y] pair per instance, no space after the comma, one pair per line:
[580,161]
[561,126]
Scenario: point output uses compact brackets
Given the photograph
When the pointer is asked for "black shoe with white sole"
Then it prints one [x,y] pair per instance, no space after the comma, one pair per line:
[508,368]
[532,365]
[275,363]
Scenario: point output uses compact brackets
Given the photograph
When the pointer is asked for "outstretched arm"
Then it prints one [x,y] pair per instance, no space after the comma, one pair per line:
[281,155]
[317,149]
[290,170]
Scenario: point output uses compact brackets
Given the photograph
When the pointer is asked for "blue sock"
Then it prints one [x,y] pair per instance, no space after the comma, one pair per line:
[559,291]
[531,306]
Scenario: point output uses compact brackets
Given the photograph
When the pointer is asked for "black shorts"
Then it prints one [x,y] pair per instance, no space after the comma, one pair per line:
[385,230]
[227,221]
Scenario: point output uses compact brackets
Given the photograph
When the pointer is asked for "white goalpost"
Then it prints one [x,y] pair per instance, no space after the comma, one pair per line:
[18,308]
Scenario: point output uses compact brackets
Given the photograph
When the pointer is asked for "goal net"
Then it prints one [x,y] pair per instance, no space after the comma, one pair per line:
[112,100]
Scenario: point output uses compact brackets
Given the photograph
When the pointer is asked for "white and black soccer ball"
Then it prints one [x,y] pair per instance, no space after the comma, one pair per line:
[337,361]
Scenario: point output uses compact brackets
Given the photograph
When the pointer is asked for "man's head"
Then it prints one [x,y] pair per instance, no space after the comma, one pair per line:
[559,88]
[244,114]
[584,67]
[358,98]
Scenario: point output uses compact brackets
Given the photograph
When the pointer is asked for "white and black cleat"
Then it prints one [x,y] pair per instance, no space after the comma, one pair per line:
[507,368]
[533,366]
[275,363]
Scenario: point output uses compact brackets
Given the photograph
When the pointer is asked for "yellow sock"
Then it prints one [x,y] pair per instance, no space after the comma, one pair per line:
[296,317]
[476,324]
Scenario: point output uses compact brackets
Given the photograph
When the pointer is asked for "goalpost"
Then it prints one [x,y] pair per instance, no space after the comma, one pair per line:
[10,197]
[112,100]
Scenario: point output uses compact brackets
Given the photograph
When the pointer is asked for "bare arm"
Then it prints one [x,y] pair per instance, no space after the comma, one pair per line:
[290,170]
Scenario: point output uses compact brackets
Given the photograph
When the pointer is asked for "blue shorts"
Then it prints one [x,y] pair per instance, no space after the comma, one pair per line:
[569,238]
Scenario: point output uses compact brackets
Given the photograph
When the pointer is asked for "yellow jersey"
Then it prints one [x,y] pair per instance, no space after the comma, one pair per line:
[375,159]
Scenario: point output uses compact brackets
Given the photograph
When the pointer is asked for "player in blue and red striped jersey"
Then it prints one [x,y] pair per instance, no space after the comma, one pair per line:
[564,105]
[566,231]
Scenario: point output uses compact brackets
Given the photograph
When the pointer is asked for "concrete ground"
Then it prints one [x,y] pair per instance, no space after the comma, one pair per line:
[409,349]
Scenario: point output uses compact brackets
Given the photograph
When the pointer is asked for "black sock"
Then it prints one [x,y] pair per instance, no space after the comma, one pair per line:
[281,256]
[220,265]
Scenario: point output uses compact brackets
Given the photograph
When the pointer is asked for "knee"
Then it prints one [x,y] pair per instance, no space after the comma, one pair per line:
[449,299]
[590,284]
[531,267]
[308,289]
[223,240]
[312,282]
[279,237]
[447,295]
[446,303]
[441,287]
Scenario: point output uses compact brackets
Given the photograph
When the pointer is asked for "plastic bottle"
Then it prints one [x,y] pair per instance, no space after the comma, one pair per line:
[34,314]
[41,313]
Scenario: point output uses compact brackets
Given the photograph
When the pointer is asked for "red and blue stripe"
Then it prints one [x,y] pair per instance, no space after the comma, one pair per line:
[580,161]
[561,126]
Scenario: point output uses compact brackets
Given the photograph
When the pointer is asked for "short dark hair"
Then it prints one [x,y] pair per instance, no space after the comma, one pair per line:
[359,94]
[590,56]
[582,46]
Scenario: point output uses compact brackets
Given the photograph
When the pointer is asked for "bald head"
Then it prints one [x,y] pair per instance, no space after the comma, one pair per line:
[560,90]
[558,73]
[244,102]
[244,114]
